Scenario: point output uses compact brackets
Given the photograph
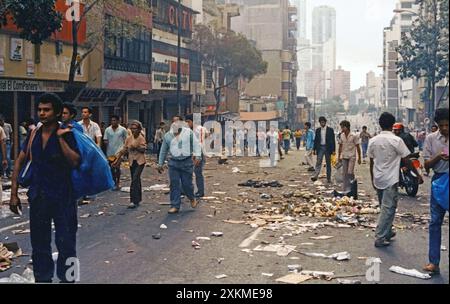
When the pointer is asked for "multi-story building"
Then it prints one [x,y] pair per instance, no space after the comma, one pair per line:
[340,84]
[374,86]
[271,24]
[324,40]
[28,70]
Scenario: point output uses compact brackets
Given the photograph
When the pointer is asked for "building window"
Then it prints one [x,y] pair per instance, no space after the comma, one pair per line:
[125,54]
[407,4]
[406,17]
[209,79]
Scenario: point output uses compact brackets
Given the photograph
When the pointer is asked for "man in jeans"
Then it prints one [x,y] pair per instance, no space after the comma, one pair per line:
[309,139]
[7,128]
[348,148]
[324,146]
[385,152]
[114,140]
[436,157]
[55,155]
[185,152]
[365,137]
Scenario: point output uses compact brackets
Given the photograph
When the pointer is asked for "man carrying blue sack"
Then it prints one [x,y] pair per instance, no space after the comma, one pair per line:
[435,153]
[54,155]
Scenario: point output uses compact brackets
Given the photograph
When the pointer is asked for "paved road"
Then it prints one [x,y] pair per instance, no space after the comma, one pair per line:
[117,246]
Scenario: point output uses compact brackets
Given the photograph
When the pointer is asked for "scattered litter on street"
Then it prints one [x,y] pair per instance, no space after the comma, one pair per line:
[323,237]
[27,277]
[349,282]
[163,226]
[221,276]
[294,278]
[217,234]
[410,272]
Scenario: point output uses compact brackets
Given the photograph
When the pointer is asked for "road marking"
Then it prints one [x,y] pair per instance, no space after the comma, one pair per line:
[251,238]
[14,226]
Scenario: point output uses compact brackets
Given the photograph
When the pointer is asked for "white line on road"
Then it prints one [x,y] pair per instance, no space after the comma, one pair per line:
[14,226]
[251,238]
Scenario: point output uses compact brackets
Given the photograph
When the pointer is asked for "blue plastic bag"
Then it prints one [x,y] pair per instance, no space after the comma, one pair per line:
[439,189]
[93,175]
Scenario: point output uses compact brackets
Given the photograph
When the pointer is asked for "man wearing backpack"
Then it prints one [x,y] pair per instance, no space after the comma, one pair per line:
[54,155]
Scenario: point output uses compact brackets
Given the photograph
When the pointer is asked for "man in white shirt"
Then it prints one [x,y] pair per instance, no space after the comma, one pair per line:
[90,128]
[386,151]
[114,140]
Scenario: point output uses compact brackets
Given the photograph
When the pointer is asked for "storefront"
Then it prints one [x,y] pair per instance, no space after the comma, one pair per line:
[17,100]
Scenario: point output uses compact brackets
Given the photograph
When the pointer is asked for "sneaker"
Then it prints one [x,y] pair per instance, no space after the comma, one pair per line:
[194,203]
[132,206]
[173,210]
[382,243]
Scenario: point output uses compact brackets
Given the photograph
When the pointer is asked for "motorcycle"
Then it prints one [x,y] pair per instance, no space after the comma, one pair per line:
[408,179]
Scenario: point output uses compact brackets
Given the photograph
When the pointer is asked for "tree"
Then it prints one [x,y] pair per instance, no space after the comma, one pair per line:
[118,26]
[231,52]
[424,50]
[37,20]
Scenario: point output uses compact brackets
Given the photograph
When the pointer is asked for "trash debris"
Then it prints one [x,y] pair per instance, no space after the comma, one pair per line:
[100,213]
[85,215]
[443,248]
[323,237]
[341,256]
[281,250]
[318,274]
[235,170]
[196,245]
[265,196]
[221,276]
[27,277]
[217,234]
[348,282]
[295,268]
[163,226]
[5,212]
[203,238]
[156,236]
[125,189]
[410,272]
[220,260]
[264,274]
[294,278]
[21,231]
[234,222]
[162,187]
[261,184]
[219,193]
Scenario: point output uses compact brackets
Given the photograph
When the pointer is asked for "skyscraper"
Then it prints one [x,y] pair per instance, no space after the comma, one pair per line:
[324,38]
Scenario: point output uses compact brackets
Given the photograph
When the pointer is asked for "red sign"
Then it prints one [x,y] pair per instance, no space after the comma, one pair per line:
[186,18]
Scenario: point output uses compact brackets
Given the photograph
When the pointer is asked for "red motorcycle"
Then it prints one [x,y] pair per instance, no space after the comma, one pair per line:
[408,179]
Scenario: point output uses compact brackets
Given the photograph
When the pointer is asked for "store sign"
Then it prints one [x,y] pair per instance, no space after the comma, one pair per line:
[2,65]
[16,49]
[11,85]
[30,67]
[167,14]
[164,70]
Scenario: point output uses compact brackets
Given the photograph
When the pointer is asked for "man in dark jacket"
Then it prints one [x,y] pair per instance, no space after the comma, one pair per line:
[409,140]
[324,145]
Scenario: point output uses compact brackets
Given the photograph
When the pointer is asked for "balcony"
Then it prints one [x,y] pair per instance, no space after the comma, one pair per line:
[118,64]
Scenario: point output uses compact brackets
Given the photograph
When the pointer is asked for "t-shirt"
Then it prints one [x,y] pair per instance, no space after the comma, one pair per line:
[349,144]
[365,137]
[386,150]
[116,140]
[287,134]
[2,134]
[8,131]
[298,134]
[92,130]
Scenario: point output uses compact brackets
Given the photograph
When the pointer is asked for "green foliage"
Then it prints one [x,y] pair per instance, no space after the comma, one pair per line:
[424,51]
[37,20]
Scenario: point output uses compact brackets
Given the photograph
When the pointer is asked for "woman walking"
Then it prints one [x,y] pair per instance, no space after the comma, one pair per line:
[135,146]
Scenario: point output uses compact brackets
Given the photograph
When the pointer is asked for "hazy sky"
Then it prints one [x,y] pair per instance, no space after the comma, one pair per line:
[359,27]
